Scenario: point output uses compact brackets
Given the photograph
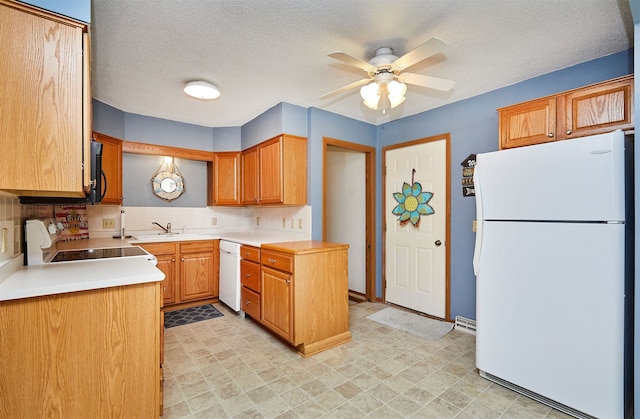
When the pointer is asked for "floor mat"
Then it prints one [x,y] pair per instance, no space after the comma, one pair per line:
[413,323]
[190,315]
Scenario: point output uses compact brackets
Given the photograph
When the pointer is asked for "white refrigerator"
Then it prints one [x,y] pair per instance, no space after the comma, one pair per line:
[550,272]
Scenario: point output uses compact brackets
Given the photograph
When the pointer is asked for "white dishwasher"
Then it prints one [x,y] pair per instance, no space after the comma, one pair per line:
[230,274]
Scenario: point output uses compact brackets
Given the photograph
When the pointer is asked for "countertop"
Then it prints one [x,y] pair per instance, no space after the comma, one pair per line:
[56,278]
[48,279]
[305,246]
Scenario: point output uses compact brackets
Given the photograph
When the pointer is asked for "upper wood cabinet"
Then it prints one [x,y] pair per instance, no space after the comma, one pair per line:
[46,100]
[112,167]
[590,110]
[275,172]
[224,176]
[250,168]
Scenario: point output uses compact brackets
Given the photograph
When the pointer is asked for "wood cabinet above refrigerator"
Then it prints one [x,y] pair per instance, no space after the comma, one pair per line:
[594,109]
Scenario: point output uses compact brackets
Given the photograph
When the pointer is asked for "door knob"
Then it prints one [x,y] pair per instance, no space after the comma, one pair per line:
[438,243]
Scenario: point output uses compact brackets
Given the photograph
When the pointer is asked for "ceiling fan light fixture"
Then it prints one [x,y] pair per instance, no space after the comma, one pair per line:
[370,95]
[201,89]
[394,90]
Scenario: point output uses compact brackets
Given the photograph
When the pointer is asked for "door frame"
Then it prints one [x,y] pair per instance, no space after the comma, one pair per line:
[370,185]
[447,138]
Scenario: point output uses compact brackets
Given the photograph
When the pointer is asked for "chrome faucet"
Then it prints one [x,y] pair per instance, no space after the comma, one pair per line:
[166,229]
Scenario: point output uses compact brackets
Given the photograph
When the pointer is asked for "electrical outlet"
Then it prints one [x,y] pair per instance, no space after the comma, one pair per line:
[214,221]
[292,223]
[108,223]
[300,223]
[284,222]
[257,221]
[474,226]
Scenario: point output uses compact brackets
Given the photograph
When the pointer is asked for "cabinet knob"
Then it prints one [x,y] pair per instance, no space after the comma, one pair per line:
[568,132]
[182,259]
[288,281]
[248,275]
[247,303]
[272,261]
[550,135]
[173,259]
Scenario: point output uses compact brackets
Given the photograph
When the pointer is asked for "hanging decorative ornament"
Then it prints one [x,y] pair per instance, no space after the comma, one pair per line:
[167,183]
[412,202]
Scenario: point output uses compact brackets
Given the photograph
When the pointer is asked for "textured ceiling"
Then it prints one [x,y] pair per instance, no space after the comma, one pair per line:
[263,52]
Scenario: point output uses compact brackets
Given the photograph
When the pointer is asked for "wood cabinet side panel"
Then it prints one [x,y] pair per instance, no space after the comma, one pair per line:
[270,180]
[295,170]
[112,167]
[321,296]
[250,173]
[86,354]
[41,111]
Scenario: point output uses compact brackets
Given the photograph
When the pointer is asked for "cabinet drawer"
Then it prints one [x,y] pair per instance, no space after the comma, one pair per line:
[276,260]
[250,275]
[159,248]
[250,253]
[250,303]
[199,246]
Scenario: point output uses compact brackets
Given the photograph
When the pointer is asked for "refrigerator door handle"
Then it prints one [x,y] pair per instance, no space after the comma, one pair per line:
[479,221]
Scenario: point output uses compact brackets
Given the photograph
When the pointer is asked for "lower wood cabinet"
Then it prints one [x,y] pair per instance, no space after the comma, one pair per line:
[250,281]
[191,271]
[85,354]
[303,293]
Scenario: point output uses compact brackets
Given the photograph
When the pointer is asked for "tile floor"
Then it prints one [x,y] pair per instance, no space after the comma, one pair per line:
[231,367]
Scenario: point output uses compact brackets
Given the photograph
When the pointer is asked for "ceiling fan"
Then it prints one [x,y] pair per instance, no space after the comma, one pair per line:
[385,72]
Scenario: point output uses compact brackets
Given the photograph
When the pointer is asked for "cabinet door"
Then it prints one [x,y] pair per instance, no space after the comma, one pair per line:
[41,110]
[597,109]
[196,276]
[527,123]
[277,302]
[250,174]
[226,179]
[167,264]
[270,179]
[112,167]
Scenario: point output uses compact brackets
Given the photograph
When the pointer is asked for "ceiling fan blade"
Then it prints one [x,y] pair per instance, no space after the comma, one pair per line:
[345,88]
[424,51]
[427,81]
[347,59]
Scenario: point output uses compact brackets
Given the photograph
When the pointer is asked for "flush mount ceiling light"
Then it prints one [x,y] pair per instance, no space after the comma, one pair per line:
[201,89]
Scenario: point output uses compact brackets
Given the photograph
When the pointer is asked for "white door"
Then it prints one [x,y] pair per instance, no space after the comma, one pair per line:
[415,255]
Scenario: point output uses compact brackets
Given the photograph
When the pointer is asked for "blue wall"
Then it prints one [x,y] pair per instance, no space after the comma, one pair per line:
[76,9]
[472,123]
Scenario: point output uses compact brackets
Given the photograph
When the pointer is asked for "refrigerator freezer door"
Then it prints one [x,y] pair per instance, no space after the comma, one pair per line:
[553,323]
[580,179]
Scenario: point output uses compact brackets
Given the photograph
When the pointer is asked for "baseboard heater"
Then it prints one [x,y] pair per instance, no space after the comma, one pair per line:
[465,325]
[535,396]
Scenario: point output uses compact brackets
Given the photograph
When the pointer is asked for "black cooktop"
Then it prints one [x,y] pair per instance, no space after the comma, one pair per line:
[87,254]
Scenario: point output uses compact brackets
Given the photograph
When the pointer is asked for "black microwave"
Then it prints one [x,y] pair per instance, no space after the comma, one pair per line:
[98,184]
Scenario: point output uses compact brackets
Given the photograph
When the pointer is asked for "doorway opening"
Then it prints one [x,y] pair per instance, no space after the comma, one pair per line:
[349,210]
